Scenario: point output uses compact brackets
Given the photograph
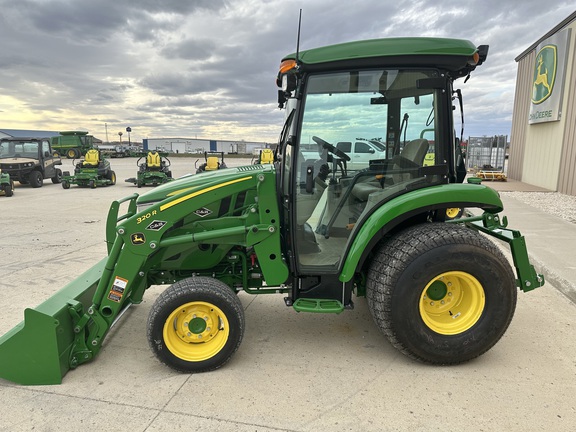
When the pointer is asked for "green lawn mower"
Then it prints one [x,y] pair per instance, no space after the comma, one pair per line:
[211,162]
[91,172]
[6,185]
[155,170]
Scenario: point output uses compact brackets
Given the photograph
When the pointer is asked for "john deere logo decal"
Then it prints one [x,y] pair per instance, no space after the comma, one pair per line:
[544,73]
[138,238]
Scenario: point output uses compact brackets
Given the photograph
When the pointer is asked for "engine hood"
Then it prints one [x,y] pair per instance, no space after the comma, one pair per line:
[193,182]
[16,161]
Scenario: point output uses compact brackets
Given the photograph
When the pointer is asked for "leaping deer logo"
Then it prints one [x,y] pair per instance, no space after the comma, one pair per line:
[138,238]
[542,78]
[544,74]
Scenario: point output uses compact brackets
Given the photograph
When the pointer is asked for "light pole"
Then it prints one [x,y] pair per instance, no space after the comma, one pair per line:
[128,129]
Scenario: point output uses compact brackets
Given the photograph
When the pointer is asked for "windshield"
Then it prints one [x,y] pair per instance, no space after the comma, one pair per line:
[19,149]
[365,138]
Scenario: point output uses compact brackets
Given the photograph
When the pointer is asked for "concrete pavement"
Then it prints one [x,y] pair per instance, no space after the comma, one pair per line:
[293,372]
[551,240]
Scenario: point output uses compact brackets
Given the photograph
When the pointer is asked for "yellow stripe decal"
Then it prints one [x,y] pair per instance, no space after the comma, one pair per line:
[200,192]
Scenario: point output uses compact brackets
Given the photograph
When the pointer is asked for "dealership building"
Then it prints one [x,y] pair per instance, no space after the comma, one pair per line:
[543,136]
[194,145]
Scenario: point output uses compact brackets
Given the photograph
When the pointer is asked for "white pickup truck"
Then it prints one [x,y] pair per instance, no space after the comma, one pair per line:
[360,152]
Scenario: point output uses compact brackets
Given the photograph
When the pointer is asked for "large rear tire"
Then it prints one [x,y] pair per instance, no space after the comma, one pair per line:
[441,293]
[73,154]
[112,177]
[196,325]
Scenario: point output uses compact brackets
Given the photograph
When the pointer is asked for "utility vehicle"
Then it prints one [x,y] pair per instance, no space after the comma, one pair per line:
[29,160]
[309,229]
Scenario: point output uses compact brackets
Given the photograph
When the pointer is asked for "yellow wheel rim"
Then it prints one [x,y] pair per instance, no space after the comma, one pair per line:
[452,302]
[196,331]
[451,213]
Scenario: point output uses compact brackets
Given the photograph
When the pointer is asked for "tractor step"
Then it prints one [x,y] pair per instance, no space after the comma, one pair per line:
[318,305]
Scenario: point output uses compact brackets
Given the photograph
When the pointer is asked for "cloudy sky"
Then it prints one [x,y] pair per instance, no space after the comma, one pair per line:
[207,68]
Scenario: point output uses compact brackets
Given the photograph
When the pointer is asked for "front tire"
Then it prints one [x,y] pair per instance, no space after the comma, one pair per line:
[441,293]
[9,189]
[196,325]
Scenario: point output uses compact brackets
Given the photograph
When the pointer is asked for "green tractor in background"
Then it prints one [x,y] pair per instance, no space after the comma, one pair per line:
[153,171]
[6,184]
[72,144]
[92,171]
[315,229]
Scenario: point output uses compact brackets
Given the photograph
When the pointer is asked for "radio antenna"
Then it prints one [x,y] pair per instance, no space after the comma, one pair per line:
[298,38]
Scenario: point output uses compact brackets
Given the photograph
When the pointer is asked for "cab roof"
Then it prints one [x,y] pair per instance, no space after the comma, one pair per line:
[452,54]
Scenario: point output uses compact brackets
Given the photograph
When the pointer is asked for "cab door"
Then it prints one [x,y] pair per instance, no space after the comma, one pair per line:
[47,159]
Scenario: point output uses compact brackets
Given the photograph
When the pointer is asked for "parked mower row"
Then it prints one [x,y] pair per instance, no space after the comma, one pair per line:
[31,160]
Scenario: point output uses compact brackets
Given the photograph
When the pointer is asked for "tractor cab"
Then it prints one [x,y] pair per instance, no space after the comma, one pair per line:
[333,180]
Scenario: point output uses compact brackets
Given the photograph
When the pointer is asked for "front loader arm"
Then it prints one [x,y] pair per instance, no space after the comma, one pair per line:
[69,328]
[141,235]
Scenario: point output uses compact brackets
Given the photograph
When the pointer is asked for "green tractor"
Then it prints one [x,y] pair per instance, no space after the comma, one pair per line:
[310,229]
[154,170]
[6,184]
[92,171]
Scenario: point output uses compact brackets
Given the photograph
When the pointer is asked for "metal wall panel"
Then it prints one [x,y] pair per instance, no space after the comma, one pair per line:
[567,169]
[520,116]
[544,154]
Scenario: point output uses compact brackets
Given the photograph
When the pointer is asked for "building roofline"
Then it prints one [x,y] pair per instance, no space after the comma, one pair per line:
[556,29]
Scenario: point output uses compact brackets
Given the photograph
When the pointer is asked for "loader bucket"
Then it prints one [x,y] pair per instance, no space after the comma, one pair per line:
[37,351]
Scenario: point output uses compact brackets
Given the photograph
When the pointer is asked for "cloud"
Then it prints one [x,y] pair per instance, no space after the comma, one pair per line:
[207,67]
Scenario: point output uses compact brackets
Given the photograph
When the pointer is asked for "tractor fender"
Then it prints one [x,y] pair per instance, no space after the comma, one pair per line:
[400,209]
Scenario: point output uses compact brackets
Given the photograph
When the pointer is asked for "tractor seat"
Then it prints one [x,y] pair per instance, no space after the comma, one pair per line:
[266,156]
[92,158]
[153,160]
[212,163]
[412,154]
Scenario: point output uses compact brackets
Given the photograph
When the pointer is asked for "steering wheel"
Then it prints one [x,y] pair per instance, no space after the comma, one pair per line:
[331,148]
